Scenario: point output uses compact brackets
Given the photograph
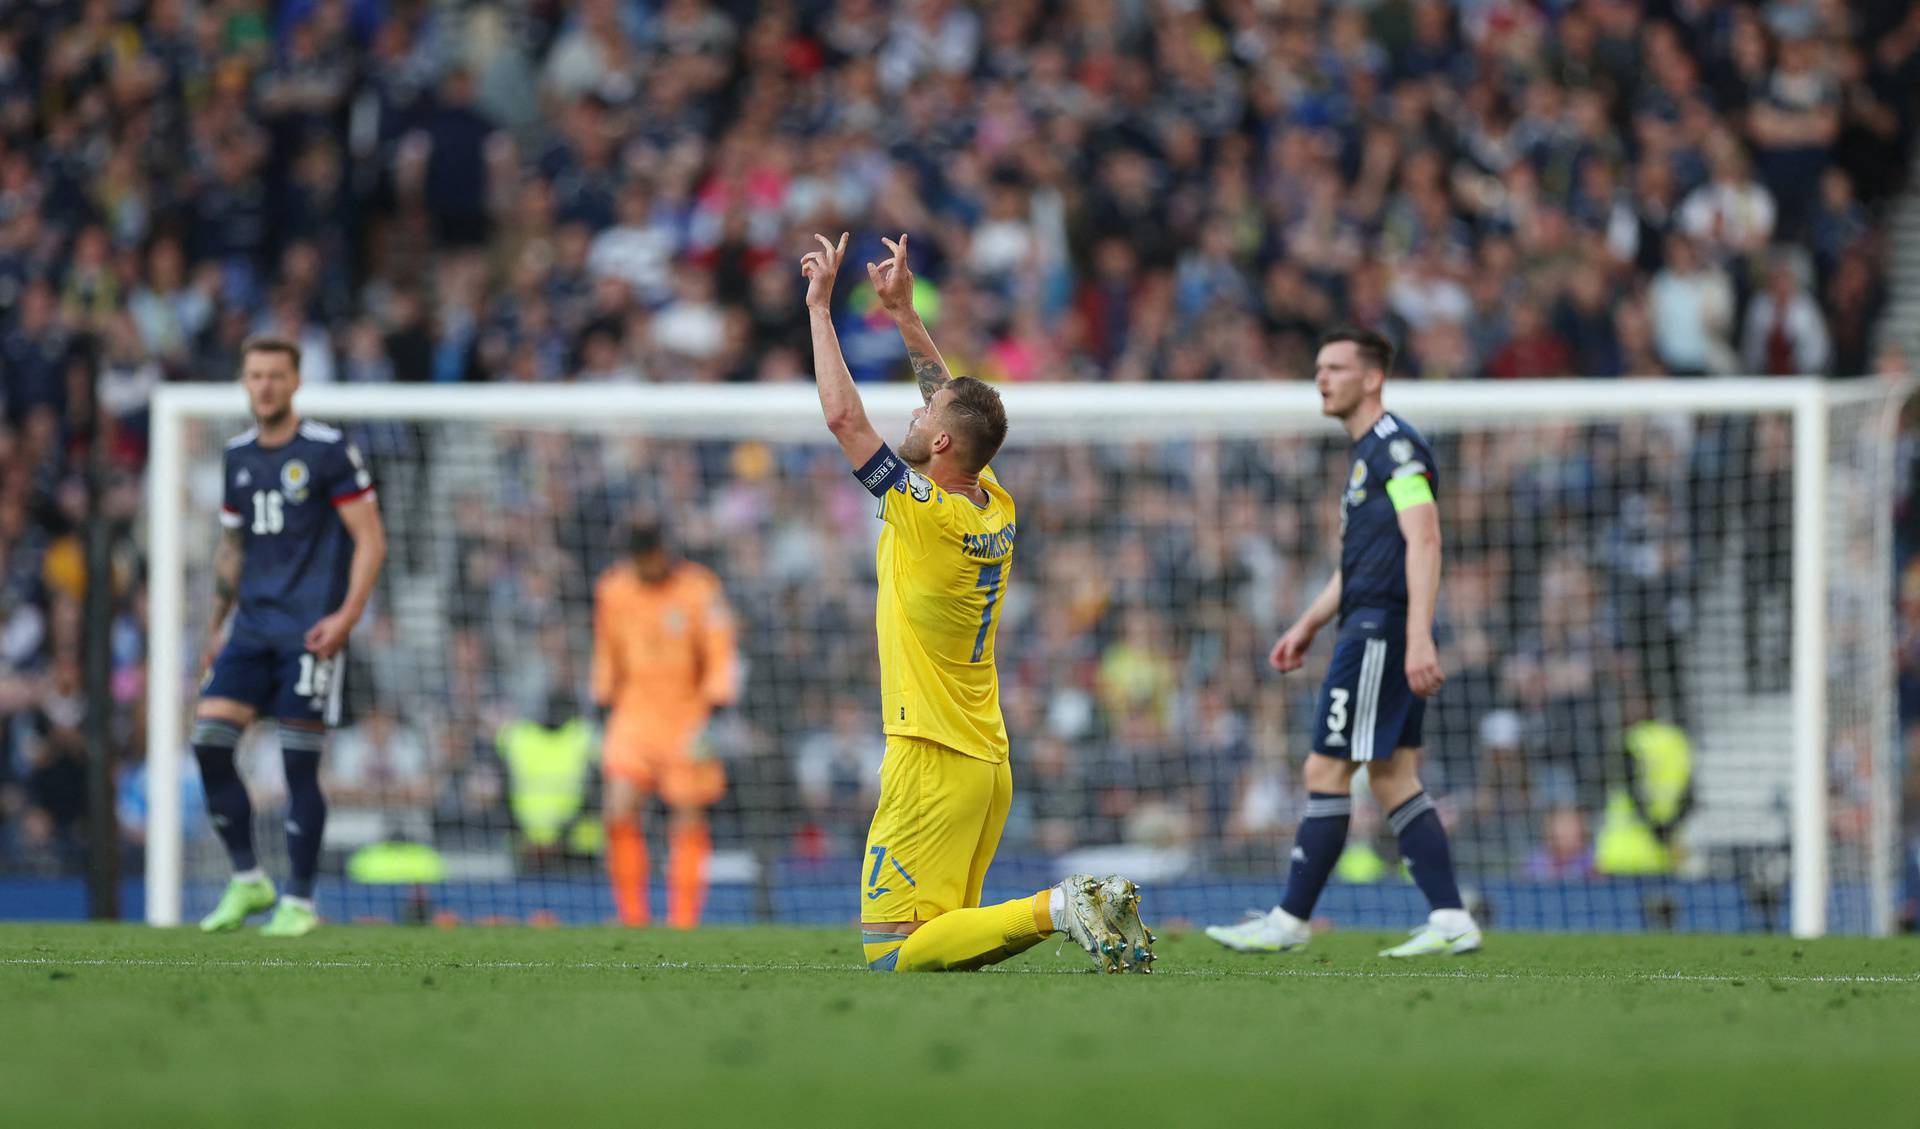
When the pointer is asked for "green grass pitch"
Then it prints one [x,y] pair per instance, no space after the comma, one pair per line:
[125,1026]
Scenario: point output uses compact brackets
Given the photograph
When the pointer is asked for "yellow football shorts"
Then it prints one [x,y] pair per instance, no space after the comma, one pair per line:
[938,823]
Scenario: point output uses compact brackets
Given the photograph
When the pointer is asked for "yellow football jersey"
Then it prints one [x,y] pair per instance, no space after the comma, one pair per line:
[943,564]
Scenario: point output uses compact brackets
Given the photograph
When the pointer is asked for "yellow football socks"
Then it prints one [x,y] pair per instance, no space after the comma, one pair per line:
[963,939]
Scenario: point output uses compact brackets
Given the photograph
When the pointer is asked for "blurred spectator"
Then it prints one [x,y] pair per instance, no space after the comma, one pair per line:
[837,772]
[692,326]
[378,762]
[169,311]
[1839,221]
[1585,321]
[1565,852]
[1692,303]
[1532,347]
[54,776]
[1561,674]
[1732,214]
[1425,293]
[1785,334]
[639,250]
[34,349]
[595,48]
[1794,123]
[1498,802]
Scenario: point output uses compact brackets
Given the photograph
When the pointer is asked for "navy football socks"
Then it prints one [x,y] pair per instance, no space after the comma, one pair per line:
[1316,849]
[306,807]
[232,812]
[1423,844]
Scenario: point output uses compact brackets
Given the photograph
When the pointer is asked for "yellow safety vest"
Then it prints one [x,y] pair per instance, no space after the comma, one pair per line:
[546,776]
[396,864]
[1663,766]
[1360,864]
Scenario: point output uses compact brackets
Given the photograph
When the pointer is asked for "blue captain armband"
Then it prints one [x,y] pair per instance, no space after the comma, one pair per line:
[882,472]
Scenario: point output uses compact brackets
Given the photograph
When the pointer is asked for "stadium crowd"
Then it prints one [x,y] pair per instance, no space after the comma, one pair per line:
[525,190]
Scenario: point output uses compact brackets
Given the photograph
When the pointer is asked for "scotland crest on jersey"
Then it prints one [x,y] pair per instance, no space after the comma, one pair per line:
[295,479]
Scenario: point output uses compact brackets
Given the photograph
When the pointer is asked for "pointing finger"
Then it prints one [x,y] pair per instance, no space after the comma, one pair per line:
[841,250]
[827,245]
[900,250]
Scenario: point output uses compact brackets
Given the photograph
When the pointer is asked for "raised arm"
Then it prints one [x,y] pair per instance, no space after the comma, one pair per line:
[893,283]
[839,399]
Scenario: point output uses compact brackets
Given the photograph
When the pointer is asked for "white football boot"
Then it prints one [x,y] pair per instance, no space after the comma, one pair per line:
[1272,932]
[1089,925]
[1448,932]
[1122,900]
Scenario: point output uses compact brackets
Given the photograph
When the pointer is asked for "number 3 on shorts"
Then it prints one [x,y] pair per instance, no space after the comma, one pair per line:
[1337,711]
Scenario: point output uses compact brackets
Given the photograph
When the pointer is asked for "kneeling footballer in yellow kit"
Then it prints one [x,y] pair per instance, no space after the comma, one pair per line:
[944,561]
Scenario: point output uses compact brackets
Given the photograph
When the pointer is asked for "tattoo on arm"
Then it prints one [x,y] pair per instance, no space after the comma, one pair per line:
[928,371]
[227,558]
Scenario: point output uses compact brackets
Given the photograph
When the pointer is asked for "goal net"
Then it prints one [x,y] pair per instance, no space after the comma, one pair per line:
[1666,620]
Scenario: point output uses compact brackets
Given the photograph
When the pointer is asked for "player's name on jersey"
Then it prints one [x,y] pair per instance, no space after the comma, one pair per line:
[996,544]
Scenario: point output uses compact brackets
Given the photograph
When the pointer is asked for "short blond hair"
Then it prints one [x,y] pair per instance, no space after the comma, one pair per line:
[979,419]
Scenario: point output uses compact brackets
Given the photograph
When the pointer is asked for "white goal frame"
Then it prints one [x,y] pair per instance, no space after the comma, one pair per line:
[1043,411]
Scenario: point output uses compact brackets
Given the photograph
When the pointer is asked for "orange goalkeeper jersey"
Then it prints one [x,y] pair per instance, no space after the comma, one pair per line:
[663,654]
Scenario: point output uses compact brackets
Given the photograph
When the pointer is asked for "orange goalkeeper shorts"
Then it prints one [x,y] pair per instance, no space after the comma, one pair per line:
[675,774]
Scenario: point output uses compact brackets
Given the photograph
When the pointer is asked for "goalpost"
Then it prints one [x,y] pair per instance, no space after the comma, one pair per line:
[1713,555]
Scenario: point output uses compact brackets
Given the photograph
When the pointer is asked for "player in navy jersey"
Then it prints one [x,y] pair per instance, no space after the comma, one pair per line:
[1384,664]
[300,549]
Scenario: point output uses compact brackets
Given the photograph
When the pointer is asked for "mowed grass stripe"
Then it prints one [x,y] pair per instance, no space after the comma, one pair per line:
[1217,972]
[502,1028]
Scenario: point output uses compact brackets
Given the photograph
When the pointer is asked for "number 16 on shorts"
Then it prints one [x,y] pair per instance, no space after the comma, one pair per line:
[319,684]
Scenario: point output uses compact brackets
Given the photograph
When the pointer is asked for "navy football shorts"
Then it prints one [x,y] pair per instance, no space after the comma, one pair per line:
[1367,709]
[279,678]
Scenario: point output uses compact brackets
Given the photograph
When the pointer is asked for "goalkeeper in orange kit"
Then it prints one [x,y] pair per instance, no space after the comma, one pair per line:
[663,661]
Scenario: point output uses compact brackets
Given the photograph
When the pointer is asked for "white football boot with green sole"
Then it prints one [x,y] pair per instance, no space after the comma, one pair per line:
[1448,932]
[1272,932]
